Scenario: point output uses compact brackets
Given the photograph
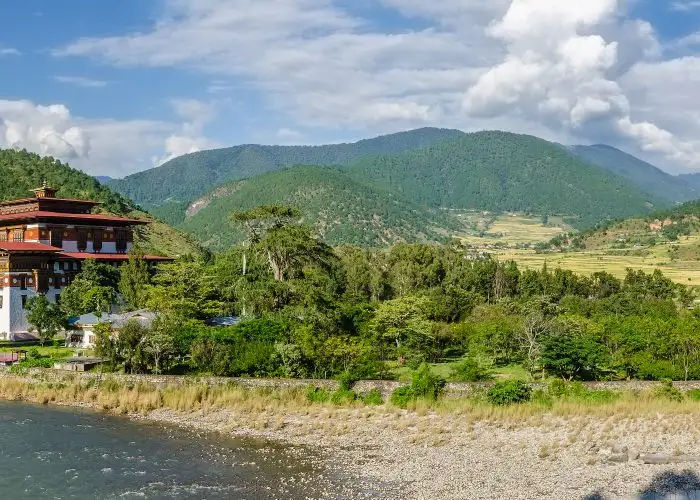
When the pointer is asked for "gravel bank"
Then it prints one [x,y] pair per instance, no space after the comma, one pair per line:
[445,457]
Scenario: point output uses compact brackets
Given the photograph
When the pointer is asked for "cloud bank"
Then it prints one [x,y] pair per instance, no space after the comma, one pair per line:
[567,71]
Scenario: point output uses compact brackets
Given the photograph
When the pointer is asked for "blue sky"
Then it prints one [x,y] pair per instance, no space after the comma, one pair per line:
[119,86]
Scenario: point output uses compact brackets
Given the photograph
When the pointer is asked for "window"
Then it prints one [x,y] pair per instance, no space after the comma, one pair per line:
[82,240]
[97,240]
[121,240]
[57,238]
[23,282]
[24,301]
[3,235]
[18,235]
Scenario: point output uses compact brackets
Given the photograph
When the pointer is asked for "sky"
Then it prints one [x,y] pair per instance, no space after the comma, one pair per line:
[115,87]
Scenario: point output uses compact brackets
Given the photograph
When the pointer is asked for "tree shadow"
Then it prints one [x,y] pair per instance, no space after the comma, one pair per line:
[683,485]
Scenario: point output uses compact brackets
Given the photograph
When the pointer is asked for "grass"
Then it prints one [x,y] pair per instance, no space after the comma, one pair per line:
[48,351]
[510,229]
[684,272]
[122,397]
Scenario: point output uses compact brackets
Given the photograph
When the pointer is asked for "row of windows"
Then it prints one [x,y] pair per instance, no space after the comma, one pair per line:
[56,238]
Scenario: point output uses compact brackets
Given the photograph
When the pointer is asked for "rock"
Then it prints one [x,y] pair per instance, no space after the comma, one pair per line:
[663,458]
[632,454]
[618,457]
[656,458]
[619,448]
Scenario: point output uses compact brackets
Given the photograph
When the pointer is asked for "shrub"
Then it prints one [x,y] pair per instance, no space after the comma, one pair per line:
[402,396]
[693,394]
[372,398]
[425,384]
[33,353]
[668,391]
[470,370]
[509,392]
[343,396]
[317,395]
[346,380]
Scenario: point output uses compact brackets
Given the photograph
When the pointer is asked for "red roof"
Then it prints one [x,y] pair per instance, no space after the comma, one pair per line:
[27,200]
[8,357]
[18,246]
[60,215]
[107,256]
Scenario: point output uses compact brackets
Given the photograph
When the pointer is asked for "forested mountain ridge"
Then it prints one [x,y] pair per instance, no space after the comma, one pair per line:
[644,175]
[188,177]
[500,171]
[22,171]
[341,209]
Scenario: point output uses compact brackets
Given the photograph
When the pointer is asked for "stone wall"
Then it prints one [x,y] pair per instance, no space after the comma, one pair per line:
[452,389]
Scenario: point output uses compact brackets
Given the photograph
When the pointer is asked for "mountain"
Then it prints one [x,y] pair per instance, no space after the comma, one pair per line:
[692,180]
[103,179]
[341,209]
[22,171]
[644,175]
[500,171]
[167,190]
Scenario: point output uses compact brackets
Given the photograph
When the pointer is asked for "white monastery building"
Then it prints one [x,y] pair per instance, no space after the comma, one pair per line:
[43,242]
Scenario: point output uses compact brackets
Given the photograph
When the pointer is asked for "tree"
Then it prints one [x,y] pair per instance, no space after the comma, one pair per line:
[93,290]
[288,248]
[403,321]
[257,221]
[685,340]
[129,346]
[186,289]
[160,345]
[571,352]
[134,280]
[45,317]
[530,339]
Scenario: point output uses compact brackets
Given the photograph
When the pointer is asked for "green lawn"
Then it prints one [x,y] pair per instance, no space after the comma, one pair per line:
[49,351]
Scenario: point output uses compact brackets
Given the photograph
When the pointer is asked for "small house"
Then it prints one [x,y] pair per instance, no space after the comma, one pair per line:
[82,329]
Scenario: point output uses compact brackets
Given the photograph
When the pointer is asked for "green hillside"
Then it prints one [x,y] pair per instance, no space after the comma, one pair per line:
[499,171]
[22,171]
[166,190]
[341,209]
[644,175]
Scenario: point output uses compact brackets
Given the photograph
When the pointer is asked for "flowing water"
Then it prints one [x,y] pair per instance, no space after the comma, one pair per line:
[59,453]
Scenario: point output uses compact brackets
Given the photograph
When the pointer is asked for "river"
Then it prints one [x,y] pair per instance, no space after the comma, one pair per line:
[57,453]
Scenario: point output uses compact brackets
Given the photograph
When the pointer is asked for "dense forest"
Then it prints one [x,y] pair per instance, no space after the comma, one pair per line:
[22,171]
[188,177]
[645,176]
[308,310]
[340,209]
[499,171]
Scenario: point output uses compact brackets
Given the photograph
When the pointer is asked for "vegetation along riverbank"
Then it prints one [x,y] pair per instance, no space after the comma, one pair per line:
[561,440]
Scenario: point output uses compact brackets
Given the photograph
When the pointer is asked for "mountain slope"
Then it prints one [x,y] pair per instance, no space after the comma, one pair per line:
[341,209]
[185,178]
[644,175]
[500,171]
[21,171]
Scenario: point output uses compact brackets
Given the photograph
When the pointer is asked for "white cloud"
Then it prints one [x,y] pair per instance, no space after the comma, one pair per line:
[552,67]
[685,5]
[190,138]
[49,130]
[97,146]
[9,51]
[81,81]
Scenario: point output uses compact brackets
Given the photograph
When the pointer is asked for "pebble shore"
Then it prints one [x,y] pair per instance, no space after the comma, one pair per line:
[397,454]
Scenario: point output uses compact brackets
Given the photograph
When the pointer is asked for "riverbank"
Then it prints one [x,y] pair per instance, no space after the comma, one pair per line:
[448,450]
